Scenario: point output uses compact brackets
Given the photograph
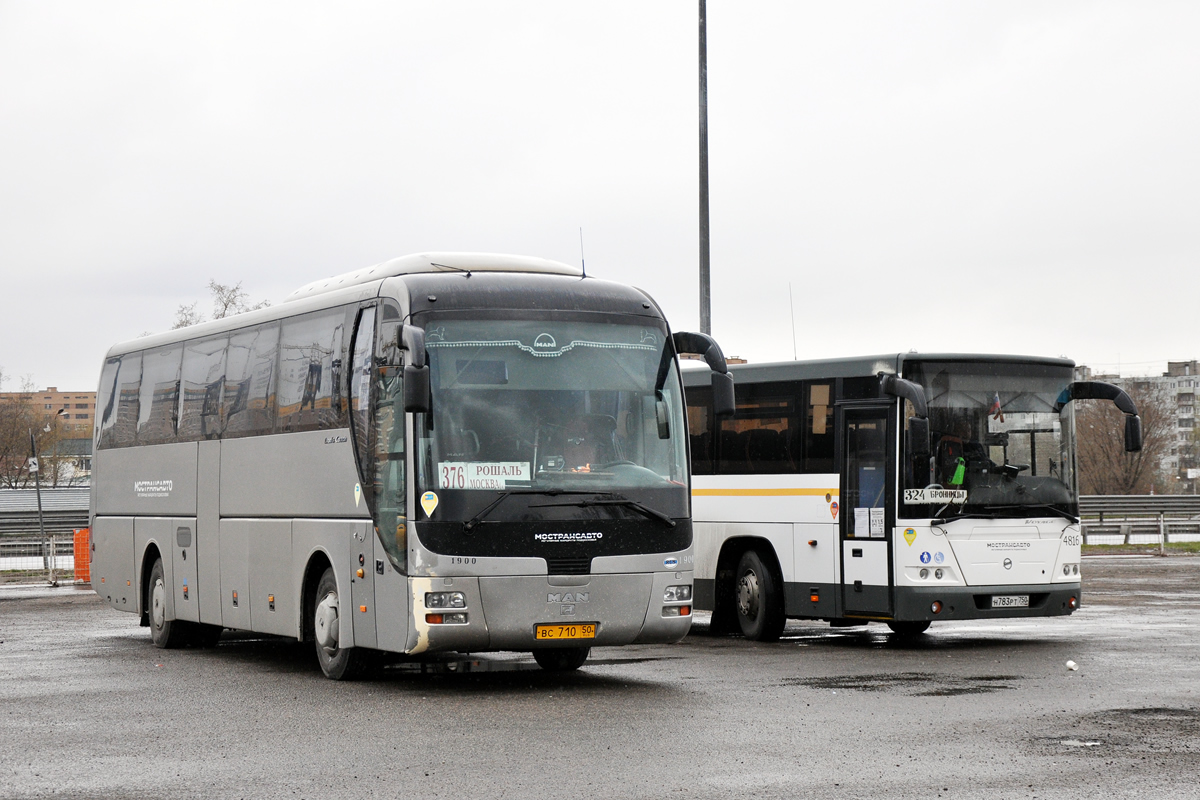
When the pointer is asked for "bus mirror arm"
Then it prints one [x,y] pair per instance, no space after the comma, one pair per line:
[898,387]
[417,396]
[1099,390]
[702,344]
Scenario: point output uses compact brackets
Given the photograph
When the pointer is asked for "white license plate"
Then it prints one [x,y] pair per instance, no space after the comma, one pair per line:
[1010,601]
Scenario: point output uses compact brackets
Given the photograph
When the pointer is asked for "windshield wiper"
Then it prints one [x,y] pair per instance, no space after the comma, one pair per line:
[474,521]
[1041,507]
[613,499]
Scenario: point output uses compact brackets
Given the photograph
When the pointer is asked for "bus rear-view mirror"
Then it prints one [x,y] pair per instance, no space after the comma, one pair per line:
[722,389]
[918,436]
[1133,433]
[416,389]
[662,415]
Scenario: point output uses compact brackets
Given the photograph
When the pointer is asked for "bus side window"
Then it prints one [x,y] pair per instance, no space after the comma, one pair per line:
[158,404]
[818,428]
[201,379]
[119,426]
[310,360]
[700,429]
[248,397]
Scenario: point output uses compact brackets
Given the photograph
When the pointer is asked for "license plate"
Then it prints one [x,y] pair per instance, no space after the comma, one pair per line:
[579,630]
[1010,601]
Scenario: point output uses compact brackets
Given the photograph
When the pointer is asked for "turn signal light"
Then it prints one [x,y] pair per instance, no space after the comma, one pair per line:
[676,611]
[446,619]
[936,608]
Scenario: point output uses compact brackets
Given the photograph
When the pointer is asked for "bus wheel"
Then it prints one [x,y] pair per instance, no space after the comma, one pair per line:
[167,633]
[338,663]
[909,628]
[561,659]
[758,599]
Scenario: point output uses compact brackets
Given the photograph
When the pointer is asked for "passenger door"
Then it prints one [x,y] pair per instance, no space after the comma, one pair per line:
[866,514]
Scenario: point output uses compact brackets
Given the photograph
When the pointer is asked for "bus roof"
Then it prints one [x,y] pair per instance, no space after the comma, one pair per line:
[436,262]
[859,366]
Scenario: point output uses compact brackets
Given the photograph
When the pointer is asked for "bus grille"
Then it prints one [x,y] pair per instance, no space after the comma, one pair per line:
[569,566]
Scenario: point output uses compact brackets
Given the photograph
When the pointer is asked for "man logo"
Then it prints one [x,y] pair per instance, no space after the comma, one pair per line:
[567,597]
[544,341]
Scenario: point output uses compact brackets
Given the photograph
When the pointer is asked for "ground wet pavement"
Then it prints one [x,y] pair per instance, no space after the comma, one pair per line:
[90,708]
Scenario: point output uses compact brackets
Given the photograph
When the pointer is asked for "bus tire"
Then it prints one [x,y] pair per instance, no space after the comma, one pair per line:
[338,663]
[909,628]
[758,599]
[167,633]
[561,659]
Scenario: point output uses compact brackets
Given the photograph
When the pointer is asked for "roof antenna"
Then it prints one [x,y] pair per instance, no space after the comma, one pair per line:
[582,263]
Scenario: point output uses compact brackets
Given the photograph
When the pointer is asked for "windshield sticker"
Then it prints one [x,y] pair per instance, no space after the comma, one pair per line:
[429,501]
[481,474]
[918,496]
[910,536]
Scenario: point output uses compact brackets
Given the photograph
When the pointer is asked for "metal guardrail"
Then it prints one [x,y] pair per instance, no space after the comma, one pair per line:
[64,510]
[1146,519]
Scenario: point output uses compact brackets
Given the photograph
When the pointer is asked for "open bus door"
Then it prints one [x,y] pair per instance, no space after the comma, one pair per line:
[867,516]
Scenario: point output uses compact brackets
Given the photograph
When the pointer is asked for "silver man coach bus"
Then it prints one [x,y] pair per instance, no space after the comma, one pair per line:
[446,451]
[902,489]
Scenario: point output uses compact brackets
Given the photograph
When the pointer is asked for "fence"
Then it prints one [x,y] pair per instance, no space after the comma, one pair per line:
[25,554]
[1140,519]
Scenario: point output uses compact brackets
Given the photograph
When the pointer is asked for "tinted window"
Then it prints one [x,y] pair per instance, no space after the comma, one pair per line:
[118,425]
[310,364]
[818,427]
[201,382]
[248,400]
[761,438]
[700,429]
[360,385]
[159,395]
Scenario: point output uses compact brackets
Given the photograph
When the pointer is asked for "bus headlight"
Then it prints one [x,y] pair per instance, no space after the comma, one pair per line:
[924,574]
[937,573]
[445,600]
[678,594]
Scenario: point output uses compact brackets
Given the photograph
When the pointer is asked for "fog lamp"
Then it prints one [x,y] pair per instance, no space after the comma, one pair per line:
[678,594]
[445,600]
[1073,603]
[936,607]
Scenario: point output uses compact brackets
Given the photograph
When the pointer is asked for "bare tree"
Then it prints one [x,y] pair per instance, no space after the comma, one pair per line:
[1104,466]
[18,418]
[227,300]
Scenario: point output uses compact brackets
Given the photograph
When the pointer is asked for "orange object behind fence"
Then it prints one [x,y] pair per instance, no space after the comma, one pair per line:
[83,561]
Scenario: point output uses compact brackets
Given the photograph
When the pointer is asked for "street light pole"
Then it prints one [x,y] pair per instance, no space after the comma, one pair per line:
[37,483]
[705,296]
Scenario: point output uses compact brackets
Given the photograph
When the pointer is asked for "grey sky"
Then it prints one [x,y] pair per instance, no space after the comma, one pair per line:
[996,177]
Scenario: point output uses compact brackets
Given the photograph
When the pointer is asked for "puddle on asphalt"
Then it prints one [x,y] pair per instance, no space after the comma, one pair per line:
[915,684]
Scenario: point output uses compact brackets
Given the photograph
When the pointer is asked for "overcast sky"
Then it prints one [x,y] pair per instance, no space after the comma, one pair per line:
[939,176]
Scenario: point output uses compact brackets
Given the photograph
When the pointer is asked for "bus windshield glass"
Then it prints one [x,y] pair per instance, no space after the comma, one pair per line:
[999,447]
[590,410]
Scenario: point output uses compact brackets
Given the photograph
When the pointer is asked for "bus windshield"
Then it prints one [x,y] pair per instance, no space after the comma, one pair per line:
[999,447]
[561,406]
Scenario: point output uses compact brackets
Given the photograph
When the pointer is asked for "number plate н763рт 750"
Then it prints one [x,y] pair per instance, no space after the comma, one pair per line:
[582,630]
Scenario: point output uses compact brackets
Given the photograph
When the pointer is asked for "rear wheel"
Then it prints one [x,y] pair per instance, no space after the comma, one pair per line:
[338,663]
[909,628]
[758,598]
[167,633]
[561,659]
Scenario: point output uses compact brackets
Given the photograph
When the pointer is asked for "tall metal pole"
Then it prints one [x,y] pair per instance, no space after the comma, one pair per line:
[705,293]
[37,483]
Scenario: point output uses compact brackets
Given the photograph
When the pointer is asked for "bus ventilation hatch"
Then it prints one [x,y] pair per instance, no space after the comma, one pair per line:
[569,566]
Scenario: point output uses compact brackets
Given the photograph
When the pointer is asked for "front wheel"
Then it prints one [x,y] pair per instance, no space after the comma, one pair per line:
[909,628]
[167,633]
[338,663]
[758,599]
[561,659]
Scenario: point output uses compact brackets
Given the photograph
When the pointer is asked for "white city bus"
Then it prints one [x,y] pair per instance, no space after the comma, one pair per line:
[446,451]
[902,489]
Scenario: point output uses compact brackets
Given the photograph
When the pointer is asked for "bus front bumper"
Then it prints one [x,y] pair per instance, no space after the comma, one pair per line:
[985,602]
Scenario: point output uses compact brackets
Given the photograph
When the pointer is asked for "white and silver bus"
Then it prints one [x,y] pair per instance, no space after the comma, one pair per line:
[902,489]
[446,451]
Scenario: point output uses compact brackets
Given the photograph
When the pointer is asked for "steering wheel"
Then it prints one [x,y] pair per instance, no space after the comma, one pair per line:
[934,486]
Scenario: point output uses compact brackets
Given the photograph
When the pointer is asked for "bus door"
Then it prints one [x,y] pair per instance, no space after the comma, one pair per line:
[866,514]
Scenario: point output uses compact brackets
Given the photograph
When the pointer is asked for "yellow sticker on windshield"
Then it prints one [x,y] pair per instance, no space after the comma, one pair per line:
[910,536]
[429,501]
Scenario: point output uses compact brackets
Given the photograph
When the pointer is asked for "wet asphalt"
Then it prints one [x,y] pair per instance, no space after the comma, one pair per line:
[90,708]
